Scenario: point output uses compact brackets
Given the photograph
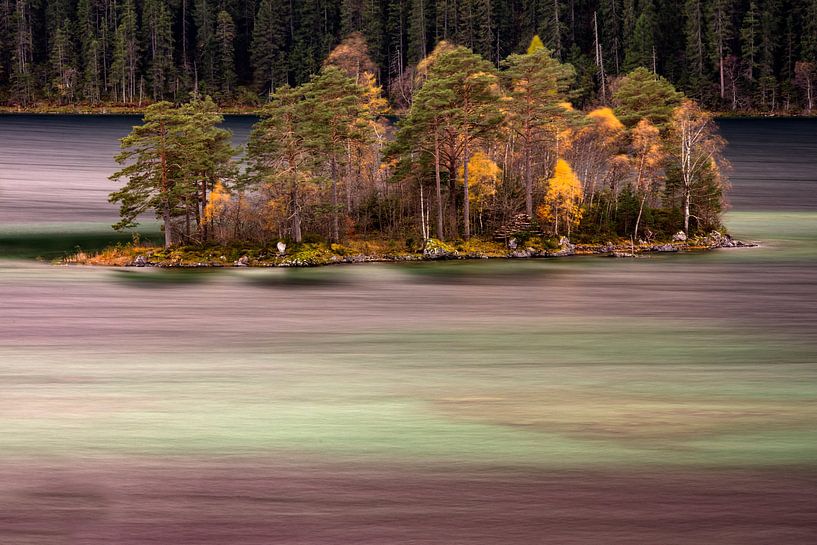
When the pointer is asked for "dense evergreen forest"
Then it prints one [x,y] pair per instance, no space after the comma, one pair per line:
[749,55]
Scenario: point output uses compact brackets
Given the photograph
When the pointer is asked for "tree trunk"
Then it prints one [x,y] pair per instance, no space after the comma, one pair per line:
[168,228]
[335,220]
[528,183]
[437,188]
[466,205]
[296,213]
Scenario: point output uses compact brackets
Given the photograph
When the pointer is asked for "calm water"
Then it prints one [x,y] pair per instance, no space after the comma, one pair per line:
[665,400]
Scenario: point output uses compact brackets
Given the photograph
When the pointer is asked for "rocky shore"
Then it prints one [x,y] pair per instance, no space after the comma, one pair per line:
[318,255]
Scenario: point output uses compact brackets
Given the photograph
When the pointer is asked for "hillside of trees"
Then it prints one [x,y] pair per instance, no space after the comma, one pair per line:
[483,152]
[749,55]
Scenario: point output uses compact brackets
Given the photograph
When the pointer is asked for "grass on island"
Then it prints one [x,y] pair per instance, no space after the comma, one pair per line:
[320,252]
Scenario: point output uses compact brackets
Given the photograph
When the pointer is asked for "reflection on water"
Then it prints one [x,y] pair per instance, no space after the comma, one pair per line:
[665,399]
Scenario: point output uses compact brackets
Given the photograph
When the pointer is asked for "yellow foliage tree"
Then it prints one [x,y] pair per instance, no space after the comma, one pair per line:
[484,176]
[606,117]
[217,203]
[562,204]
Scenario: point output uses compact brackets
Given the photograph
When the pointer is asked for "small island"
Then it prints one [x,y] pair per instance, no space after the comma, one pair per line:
[475,162]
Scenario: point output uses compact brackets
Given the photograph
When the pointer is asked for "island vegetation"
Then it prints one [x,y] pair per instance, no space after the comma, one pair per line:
[484,161]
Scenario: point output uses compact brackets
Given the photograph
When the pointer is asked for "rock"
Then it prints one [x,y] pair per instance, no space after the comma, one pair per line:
[680,236]
[282,248]
[664,248]
[608,248]
[565,248]
[622,254]
[434,249]
[140,261]
[512,244]
[520,254]
[243,261]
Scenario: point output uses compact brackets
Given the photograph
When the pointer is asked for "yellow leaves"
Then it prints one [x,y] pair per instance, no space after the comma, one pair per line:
[535,45]
[483,177]
[217,202]
[425,64]
[567,106]
[606,118]
[562,204]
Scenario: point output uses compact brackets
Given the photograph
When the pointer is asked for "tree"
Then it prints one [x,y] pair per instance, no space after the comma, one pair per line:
[63,63]
[126,53]
[153,168]
[537,88]
[208,153]
[169,162]
[562,204]
[641,46]
[472,111]
[648,157]
[721,33]
[225,53]
[806,78]
[268,51]
[158,22]
[278,153]
[335,107]
[697,149]
[484,177]
[643,95]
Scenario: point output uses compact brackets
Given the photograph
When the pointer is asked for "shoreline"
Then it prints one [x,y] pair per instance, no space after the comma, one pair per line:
[184,258]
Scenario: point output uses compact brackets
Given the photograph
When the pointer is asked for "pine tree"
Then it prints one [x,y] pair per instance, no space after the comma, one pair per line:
[152,159]
[268,52]
[335,104]
[126,54]
[278,154]
[538,86]
[204,20]
[695,44]
[643,95]
[749,37]
[225,53]
[641,47]
[720,32]
[22,56]
[63,64]
[157,21]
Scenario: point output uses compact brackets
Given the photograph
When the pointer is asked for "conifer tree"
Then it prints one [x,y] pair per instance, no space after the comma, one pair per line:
[641,47]
[643,95]
[225,53]
[268,51]
[334,103]
[537,86]
[278,153]
[153,169]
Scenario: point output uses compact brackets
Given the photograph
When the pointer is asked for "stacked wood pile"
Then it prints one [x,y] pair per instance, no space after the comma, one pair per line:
[520,223]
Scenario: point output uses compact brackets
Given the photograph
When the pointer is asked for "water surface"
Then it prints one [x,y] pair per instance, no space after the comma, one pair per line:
[666,400]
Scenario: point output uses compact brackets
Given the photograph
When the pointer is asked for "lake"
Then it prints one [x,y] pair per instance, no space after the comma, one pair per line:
[664,400]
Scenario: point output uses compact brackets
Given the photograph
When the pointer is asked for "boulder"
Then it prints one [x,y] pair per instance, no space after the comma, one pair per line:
[282,248]
[565,248]
[608,248]
[680,236]
[140,261]
[521,254]
[243,261]
[664,248]
[512,244]
[434,249]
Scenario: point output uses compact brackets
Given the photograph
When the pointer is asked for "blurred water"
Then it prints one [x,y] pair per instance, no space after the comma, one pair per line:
[664,400]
